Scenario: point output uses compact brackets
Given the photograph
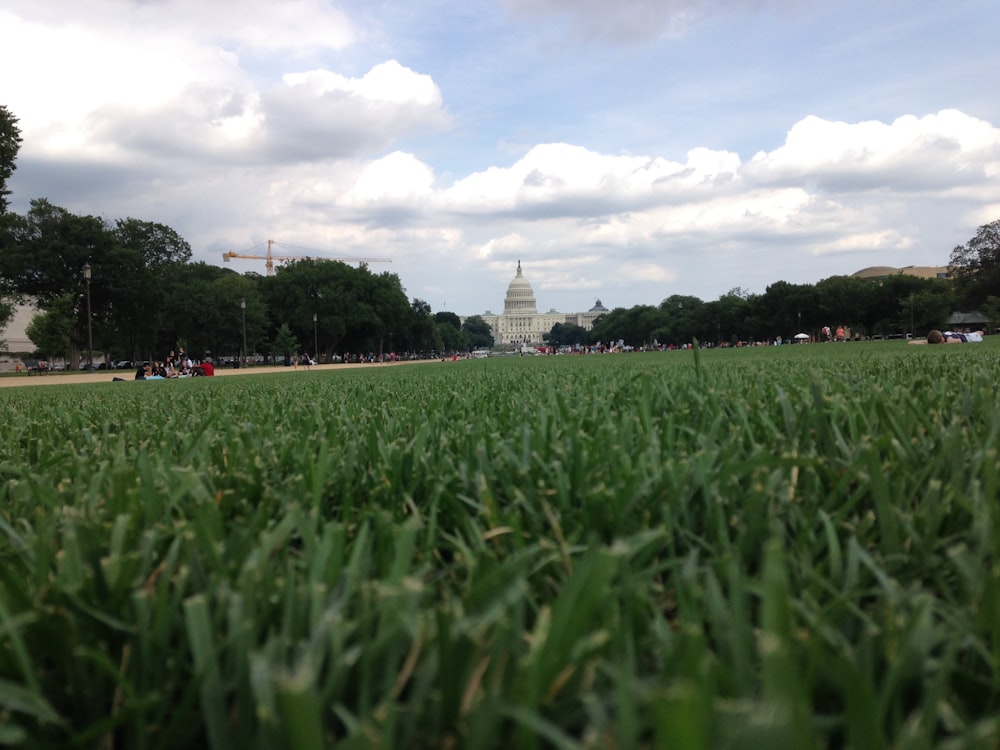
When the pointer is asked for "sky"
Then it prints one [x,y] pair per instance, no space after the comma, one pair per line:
[623,150]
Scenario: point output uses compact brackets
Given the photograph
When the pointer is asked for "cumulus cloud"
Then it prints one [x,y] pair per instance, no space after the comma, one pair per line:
[942,150]
[562,179]
[805,180]
[319,114]
[176,79]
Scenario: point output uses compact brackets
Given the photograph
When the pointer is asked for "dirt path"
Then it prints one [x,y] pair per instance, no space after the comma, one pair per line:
[106,376]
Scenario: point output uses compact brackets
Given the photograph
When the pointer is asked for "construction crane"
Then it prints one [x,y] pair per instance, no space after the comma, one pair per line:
[270,259]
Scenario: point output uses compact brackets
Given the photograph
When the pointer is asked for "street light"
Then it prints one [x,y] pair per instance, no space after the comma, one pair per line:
[243,307]
[90,328]
[315,339]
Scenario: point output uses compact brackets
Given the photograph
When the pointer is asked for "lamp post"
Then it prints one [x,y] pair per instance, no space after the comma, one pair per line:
[911,315]
[315,338]
[90,328]
[243,308]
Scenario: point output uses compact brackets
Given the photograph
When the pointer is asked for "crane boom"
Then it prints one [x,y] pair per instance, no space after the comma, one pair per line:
[270,259]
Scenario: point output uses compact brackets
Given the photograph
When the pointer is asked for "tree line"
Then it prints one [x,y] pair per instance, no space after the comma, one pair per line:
[895,305]
[146,297]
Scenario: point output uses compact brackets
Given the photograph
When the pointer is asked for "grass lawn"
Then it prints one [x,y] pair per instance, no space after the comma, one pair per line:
[787,547]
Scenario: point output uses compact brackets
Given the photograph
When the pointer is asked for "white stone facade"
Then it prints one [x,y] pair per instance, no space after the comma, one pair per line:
[521,323]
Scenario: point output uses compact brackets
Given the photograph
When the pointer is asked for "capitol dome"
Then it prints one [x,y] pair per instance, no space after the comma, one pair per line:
[520,297]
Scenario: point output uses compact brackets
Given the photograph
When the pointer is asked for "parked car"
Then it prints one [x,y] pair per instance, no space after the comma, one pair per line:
[124,364]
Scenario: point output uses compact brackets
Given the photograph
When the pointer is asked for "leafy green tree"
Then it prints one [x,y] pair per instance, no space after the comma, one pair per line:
[635,326]
[785,307]
[51,330]
[680,321]
[448,317]
[730,312]
[926,308]
[566,334]
[285,343]
[158,244]
[10,144]
[975,266]
[450,333]
[423,333]
[390,308]
[452,339]
[840,300]
[478,332]
[356,310]
[44,256]
[991,309]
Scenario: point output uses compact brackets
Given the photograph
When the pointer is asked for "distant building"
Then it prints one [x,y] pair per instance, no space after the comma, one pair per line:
[969,321]
[14,337]
[921,272]
[521,323]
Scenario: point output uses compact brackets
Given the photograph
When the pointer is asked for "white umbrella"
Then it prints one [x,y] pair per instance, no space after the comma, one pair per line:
[801,335]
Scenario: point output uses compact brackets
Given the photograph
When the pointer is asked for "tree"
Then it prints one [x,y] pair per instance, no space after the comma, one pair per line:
[51,330]
[926,308]
[478,332]
[991,309]
[566,334]
[731,311]
[449,331]
[448,317]
[680,321]
[285,343]
[635,326]
[423,334]
[44,256]
[356,310]
[840,300]
[10,144]
[975,266]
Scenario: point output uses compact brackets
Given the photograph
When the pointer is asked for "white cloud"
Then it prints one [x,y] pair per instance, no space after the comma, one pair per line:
[886,241]
[561,178]
[388,81]
[175,77]
[398,178]
[941,150]
[506,246]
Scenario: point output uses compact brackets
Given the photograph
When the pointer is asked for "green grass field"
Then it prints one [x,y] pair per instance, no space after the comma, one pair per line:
[790,547]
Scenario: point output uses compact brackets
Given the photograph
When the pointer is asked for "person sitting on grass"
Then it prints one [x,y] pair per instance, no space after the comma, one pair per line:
[951,337]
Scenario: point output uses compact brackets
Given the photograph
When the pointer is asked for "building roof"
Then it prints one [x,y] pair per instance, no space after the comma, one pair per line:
[973,318]
[520,296]
[923,272]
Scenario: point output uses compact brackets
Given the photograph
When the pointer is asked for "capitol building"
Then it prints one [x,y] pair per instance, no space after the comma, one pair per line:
[521,323]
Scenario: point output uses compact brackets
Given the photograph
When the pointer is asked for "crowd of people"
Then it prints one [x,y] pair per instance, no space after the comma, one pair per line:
[178,365]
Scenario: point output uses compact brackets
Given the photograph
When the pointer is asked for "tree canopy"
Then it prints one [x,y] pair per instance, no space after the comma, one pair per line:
[10,144]
[975,266]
